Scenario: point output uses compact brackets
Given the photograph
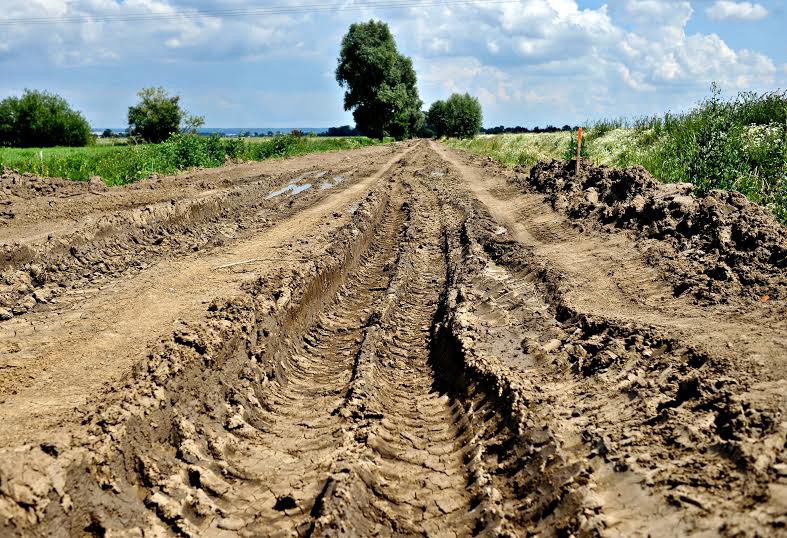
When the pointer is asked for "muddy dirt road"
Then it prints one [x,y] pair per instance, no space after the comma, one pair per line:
[398,340]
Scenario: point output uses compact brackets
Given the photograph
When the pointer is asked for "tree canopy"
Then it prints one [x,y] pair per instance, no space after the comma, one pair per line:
[41,119]
[157,116]
[458,116]
[381,83]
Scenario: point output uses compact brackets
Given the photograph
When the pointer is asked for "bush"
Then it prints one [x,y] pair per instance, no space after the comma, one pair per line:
[41,119]
[459,116]
[738,145]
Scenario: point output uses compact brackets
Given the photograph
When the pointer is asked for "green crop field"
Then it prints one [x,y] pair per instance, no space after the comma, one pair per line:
[119,164]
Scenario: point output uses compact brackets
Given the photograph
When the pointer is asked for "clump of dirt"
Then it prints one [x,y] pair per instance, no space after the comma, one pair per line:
[27,185]
[721,245]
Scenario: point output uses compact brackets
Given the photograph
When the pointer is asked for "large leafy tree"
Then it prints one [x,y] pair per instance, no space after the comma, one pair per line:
[381,83]
[158,115]
[459,116]
[41,119]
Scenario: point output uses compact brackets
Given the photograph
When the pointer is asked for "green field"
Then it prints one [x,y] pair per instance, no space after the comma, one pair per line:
[121,164]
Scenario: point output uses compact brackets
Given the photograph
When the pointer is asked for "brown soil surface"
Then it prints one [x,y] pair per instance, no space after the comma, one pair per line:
[422,342]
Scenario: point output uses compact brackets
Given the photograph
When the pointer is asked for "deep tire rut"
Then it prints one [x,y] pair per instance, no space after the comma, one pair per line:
[290,454]
[405,473]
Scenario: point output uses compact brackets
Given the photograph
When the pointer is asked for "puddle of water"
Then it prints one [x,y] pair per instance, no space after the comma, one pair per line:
[292,188]
[319,175]
[437,174]
[328,184]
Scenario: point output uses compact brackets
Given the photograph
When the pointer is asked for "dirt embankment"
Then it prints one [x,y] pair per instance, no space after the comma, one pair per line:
[721,247]
[438,351]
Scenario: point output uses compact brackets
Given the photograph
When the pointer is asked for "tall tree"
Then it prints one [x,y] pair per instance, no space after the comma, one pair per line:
[381,83]
[41,119]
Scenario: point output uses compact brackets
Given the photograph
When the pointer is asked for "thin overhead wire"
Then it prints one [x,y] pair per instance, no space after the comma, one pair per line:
[247,12]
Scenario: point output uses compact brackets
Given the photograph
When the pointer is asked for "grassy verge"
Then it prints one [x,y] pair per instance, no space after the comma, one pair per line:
[124,164]
[736,145]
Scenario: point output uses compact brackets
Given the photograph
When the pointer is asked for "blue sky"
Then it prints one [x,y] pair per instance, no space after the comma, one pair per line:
[531,62]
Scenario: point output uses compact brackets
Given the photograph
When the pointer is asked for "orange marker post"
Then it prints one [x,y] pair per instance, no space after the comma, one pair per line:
[579,149]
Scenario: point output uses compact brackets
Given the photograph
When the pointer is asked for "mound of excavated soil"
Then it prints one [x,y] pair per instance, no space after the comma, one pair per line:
[721,245]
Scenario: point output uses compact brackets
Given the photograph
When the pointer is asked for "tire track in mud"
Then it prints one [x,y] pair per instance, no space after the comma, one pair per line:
[644,424]
[406,472]
[289,459]
[355,436]
[120,320]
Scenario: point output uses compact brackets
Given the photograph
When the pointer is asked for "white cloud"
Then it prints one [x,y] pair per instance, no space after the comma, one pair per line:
[524,58]
[743,11]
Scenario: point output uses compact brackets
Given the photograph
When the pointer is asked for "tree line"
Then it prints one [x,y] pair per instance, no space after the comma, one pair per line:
[43,119]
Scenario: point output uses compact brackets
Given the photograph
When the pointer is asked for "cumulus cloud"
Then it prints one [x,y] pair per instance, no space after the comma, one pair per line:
[743,11]
[94,31]
[526,59]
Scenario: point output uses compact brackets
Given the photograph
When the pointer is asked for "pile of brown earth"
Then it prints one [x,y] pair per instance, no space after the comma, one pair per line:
[721,245]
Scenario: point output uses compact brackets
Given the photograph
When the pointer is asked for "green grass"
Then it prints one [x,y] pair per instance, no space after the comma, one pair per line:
[739,145]
[127,163]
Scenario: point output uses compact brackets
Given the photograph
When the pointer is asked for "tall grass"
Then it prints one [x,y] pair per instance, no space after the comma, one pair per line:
[738,144]
[124,164]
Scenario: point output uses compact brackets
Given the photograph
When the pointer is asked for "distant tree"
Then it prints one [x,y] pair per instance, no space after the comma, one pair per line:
[457,116]
[344,130]
[157,116]
[107,133]
[437,118]
[464,113]
[41,119]
[381,83]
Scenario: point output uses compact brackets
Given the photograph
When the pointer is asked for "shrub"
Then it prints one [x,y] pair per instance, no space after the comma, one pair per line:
[740,144]
[41,119]
[156,117]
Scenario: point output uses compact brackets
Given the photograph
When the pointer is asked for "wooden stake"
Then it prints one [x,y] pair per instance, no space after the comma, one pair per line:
[579,148]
